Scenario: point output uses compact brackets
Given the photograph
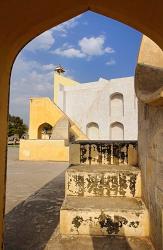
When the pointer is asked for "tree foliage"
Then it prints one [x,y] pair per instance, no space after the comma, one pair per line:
[16,126]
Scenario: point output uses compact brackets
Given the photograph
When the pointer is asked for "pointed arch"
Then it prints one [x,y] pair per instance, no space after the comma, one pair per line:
[117,105]
[92,130]
[116,131]
[44,131]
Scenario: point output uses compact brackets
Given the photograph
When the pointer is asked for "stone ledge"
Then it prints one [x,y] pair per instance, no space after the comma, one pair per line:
[102,168]
[104,180]
[104,216]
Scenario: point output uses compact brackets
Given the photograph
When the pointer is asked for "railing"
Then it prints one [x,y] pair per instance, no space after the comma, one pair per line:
[91,152]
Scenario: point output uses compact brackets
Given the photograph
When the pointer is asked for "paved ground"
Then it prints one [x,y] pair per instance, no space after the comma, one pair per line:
[35,192]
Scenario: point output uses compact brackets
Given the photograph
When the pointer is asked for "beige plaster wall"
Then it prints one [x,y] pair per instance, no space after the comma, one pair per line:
[150,151]
[43,110]
[149,75]
[61,80]
[149,85]
[44,150]
[150,53]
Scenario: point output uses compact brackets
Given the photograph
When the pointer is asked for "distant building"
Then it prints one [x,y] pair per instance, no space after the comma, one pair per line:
[13,140]
[105,109]
[102,110]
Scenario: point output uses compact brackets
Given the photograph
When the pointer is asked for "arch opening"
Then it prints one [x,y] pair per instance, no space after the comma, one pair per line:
[117,128]
[44,131]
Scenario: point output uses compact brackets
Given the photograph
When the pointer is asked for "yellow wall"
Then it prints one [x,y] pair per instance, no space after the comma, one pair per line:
[60,79]
[43,150]
[154,58]
[149,73]
[43,110]
[77,132]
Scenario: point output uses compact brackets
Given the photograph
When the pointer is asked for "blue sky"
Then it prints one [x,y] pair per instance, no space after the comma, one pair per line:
[88,46]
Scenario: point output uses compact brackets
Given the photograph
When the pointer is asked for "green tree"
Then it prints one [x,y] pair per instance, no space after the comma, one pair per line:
[16,126]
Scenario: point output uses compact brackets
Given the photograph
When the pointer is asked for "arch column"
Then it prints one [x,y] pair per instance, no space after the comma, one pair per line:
[5,70]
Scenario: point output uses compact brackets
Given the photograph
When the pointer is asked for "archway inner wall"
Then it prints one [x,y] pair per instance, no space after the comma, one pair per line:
[150,136]
[21,21]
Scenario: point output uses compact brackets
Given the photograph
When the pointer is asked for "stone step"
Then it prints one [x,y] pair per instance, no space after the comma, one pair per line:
[78,242]
[103,180]
[104,216]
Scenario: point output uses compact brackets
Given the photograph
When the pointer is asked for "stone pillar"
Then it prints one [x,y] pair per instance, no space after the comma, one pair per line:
[5,67]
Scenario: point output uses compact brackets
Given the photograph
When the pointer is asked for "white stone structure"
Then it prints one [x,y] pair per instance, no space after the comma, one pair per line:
[106,109]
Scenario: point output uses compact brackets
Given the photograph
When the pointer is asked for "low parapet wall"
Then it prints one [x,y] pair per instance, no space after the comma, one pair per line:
[43,150]
[92,152]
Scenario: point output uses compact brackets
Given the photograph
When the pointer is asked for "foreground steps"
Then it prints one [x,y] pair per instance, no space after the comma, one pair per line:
[102,216]
[103,180]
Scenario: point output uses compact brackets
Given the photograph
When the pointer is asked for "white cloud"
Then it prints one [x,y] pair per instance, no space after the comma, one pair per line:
[48,67]
[109,50]
[88,47]
[29,79]
[94,46]
[69,52]
[43,42]
[46,40]
[63,28]
[111,62]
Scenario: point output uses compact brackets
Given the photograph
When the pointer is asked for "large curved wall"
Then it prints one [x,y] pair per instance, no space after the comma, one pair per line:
[103,102]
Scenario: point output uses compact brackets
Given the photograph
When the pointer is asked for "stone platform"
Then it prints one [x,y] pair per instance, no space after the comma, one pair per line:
[103,180]
[35,191]
[104,216]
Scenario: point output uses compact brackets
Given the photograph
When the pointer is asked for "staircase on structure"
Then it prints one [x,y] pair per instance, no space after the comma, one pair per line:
[103,191]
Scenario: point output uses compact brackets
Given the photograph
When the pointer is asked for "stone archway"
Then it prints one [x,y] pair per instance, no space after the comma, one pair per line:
[23,21]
